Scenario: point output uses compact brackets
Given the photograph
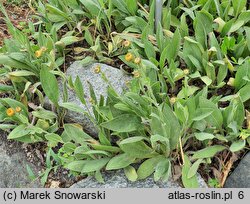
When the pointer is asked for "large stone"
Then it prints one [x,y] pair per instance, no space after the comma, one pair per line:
[13,162]
[240,178]
[117,179]
[87,75]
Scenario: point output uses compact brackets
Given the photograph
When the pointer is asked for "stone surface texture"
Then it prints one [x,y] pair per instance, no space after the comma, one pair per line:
[116,78]
[240,178]
[117,179]
[13,172]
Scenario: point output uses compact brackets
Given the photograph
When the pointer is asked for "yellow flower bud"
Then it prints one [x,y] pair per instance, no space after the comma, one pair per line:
[126,43]
[10,112]
[127,83]
[18,109]
[136,74]
[92,101]
[186,71]
[97,69]
[173,100]
[129,57]
[137,60]
[38,53]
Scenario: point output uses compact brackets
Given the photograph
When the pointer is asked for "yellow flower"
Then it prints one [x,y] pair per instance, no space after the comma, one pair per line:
[137,60]
[18,109]
[136,74]
[10,112]
[186,71]
[38,53]
[172,100]
[97,69]
[129,57]
[126,43]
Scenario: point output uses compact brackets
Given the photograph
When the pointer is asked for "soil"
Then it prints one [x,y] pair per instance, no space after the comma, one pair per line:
[16,14]
[36,154]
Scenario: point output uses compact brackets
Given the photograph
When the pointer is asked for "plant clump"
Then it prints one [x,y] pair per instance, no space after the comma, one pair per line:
[187,104]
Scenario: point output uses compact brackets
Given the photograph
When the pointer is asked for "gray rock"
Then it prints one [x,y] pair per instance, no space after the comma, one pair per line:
[117,179]
[87,74]
[13,172]
[240,178]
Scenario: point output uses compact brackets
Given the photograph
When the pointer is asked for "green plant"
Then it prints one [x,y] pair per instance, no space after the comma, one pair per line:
[213,183]
[150,132]
[28,127]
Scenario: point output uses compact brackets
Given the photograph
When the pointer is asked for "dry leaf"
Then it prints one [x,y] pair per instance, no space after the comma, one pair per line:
[248,119]
[55,184]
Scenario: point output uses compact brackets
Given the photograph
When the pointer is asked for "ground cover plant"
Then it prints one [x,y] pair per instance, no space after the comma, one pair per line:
[188,101]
